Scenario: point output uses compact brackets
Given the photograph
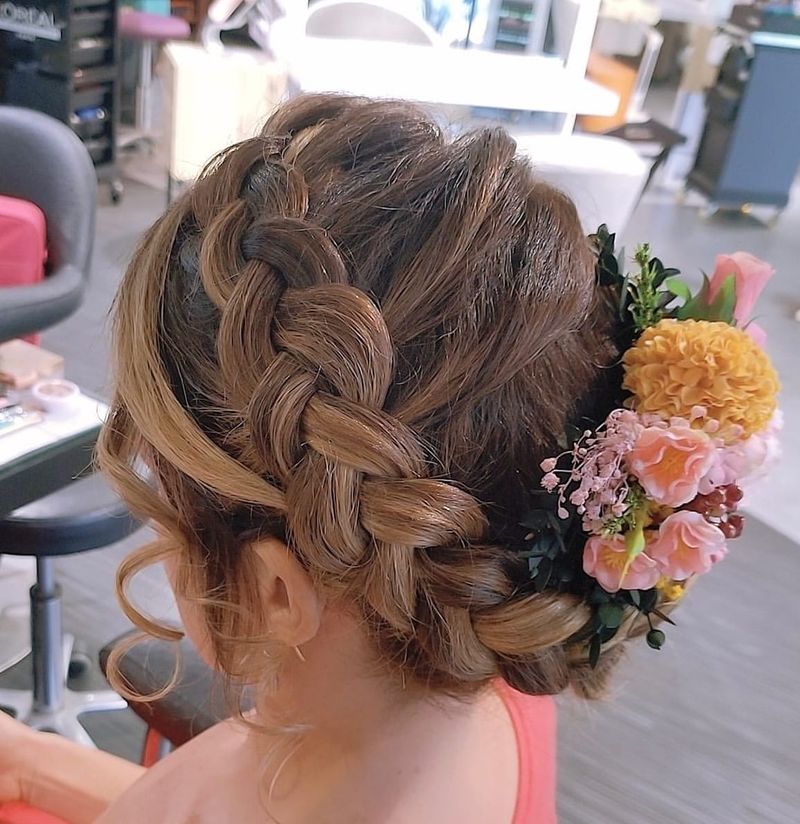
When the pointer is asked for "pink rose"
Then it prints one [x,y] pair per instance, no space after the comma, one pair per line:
[670,463]
[745,461]
[751,276]
[604,559]
[686,544]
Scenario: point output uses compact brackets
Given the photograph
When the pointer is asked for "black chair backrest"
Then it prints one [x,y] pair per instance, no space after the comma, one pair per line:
[43,161]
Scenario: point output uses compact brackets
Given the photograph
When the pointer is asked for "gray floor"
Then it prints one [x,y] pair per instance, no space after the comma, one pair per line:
[704,732]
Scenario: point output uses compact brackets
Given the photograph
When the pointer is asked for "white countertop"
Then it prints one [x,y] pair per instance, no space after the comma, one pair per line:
[448,76]
[89,413]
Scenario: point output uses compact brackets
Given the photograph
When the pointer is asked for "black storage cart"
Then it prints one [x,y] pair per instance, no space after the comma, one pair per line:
[61,57]
[749,151]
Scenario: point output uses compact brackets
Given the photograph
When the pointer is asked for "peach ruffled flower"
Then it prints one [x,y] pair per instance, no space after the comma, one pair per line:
[670,463]
[676,366]
[686,544]
[751,275]
[604,559]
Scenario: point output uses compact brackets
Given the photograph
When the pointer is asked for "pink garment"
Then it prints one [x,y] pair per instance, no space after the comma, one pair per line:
[534,720]
[23,814]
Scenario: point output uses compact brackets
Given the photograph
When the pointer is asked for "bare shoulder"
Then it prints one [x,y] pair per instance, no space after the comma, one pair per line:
[194,783]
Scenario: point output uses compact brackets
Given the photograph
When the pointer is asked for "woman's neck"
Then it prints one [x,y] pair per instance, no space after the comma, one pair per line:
[363,739]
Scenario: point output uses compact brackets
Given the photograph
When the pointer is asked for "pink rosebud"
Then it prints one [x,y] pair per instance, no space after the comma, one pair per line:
[686,544]
[548,464]
[751,276]
[757,334]
[604,559]
[670,463]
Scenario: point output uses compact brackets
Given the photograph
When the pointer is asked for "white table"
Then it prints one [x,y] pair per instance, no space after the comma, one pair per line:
[34,462]
[448,76]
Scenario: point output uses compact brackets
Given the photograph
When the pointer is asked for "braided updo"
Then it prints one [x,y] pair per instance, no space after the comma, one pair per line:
[362,337]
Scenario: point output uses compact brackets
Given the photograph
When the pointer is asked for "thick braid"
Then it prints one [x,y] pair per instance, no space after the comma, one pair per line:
[345,379]
[359,507]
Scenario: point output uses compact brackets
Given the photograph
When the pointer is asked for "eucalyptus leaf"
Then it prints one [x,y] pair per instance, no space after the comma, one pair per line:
[599,596]
[610,615]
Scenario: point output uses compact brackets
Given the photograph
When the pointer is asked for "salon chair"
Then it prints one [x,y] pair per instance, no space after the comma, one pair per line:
[84,515]
[42,161]
[194,703]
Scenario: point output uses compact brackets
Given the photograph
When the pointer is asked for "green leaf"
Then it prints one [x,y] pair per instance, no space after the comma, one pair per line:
[607,633]
[663,617]
[594,651]
[634,540]
[662,273]
[679,288]
[649,599]
[623,296]
[610,615]
[543,577]
[664,300]
[725,301]
[635,598]
[697,308]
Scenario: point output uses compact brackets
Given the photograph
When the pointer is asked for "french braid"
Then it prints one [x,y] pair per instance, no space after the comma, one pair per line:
[361,337]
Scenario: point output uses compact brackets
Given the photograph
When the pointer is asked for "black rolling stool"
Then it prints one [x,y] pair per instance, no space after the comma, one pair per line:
[84,515]
[195,703]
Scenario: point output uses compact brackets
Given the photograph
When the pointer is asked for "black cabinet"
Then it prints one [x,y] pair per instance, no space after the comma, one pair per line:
[749,151]
[62,58]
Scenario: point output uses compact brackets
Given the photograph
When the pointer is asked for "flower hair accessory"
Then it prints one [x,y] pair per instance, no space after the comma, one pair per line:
[646,499]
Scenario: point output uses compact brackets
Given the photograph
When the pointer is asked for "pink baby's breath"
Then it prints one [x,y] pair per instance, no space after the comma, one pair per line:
[596,482]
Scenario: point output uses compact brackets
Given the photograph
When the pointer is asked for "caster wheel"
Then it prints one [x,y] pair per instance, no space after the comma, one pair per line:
[117,191]
[79,664]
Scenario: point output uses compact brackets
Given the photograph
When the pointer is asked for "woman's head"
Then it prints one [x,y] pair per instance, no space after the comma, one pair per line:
[358,337]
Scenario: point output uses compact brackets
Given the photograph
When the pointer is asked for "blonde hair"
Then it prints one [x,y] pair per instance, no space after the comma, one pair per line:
[361,337]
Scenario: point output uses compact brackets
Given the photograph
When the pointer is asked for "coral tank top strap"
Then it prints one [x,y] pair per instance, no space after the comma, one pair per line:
[534,720]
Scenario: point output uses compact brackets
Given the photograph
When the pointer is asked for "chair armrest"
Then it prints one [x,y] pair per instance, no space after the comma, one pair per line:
[27,309]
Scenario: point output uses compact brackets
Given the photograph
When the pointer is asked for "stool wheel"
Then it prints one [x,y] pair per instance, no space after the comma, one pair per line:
[79,664]
[117,191]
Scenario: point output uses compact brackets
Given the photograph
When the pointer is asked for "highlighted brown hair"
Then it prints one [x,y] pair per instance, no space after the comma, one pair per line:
[360,336]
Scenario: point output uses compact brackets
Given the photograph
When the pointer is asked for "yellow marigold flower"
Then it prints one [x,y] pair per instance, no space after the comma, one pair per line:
[671,590]
[678,365]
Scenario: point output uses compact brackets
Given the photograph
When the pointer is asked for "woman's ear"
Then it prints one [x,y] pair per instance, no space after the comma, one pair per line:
[290,602]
